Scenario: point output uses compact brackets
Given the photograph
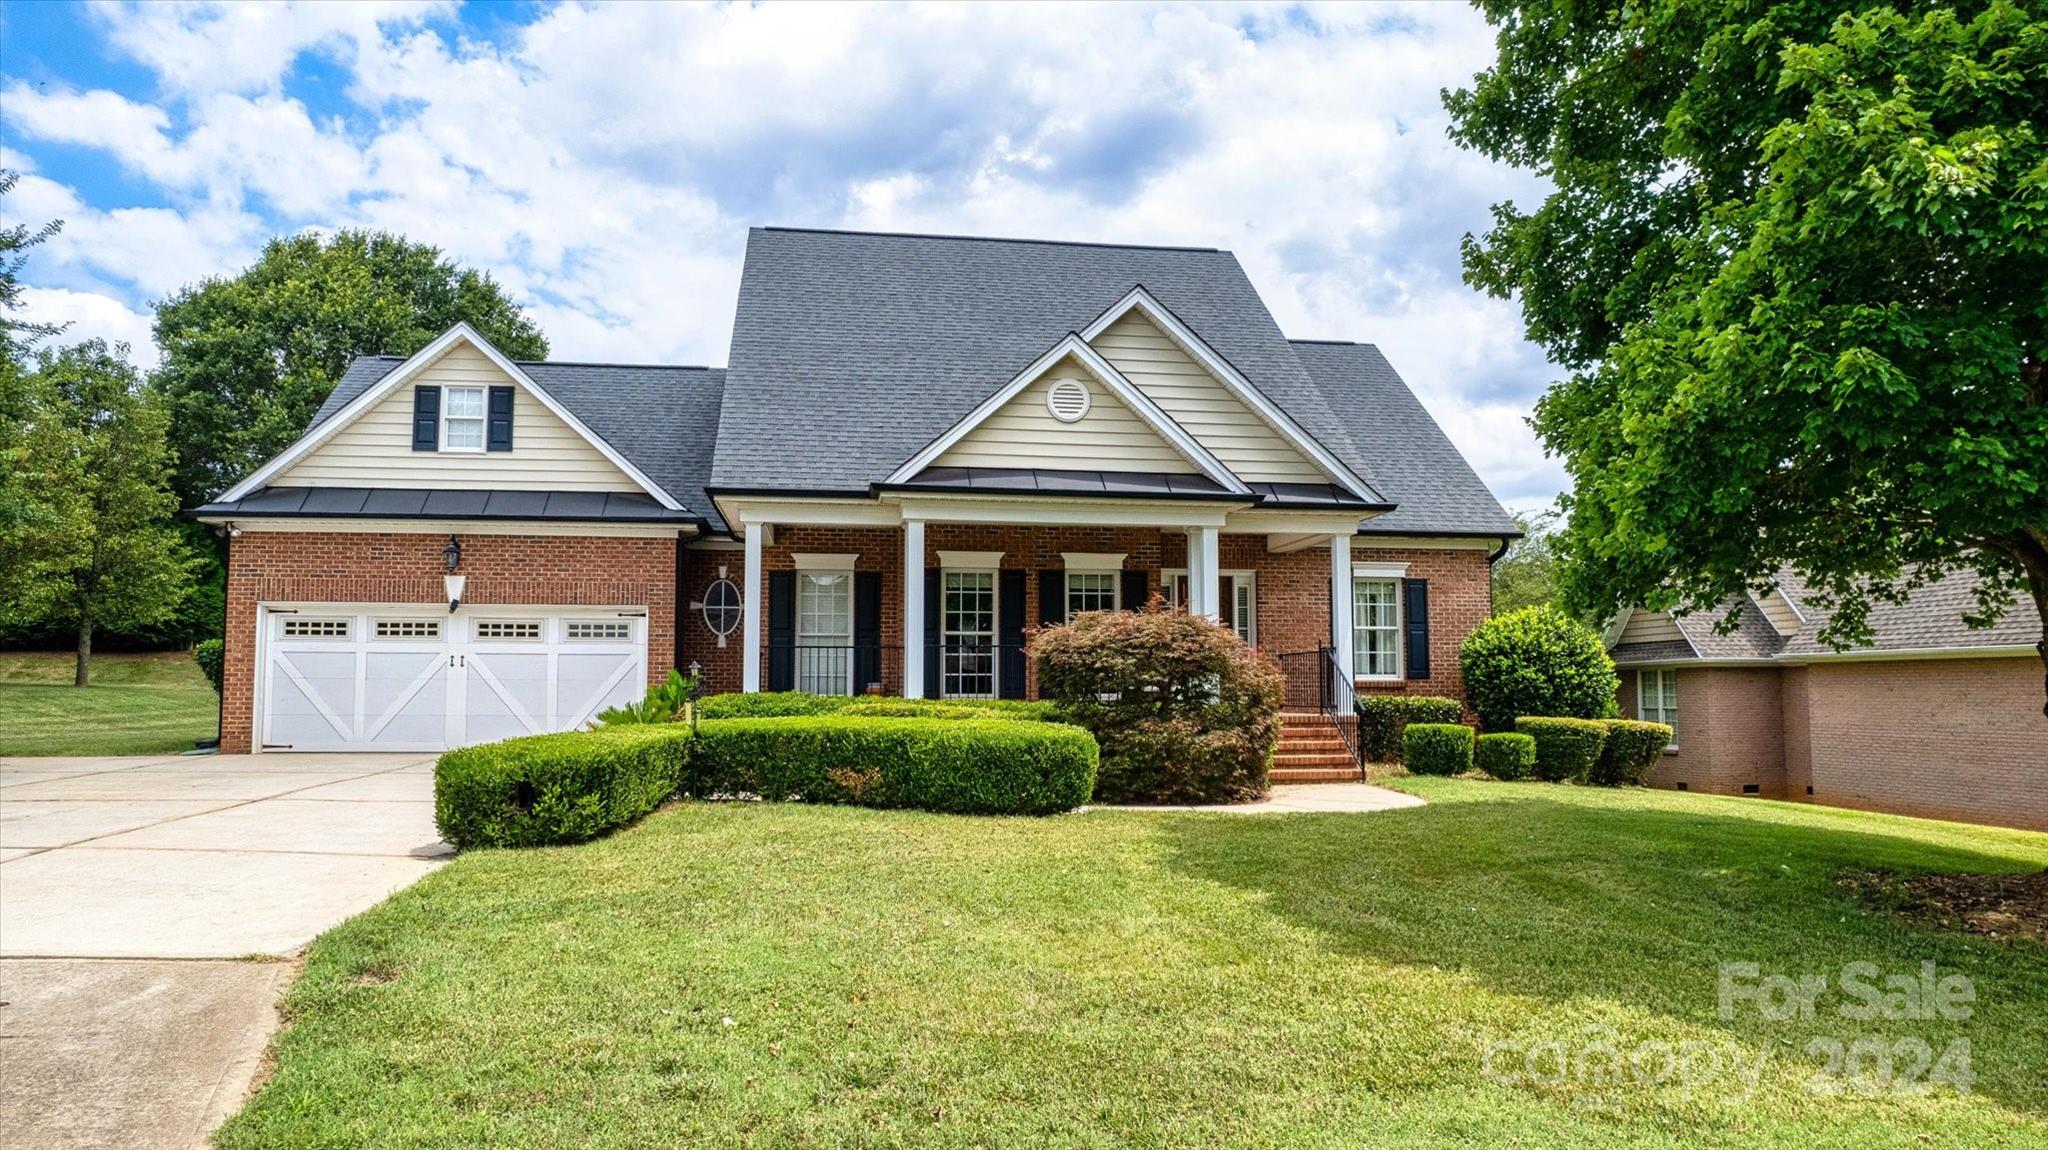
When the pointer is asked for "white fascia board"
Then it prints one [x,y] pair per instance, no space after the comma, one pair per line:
[1611,634]
[741,512]
[1056,511]
[1235,381]
[344,526]
[404,373]
[1107,374]
[1265,521]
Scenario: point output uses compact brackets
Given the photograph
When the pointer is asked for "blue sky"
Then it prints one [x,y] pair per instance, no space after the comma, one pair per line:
[604,163]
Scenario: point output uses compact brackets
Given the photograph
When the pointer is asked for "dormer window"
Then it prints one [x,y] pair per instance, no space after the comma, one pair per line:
[462,419]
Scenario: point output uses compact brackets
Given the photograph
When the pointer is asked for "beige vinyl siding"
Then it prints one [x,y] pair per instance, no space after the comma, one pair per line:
[1199,402]
[1779,612]
[376,450]
[1022,433]
[1650,627]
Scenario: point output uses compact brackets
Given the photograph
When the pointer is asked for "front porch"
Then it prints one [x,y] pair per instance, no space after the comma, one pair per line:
[941,602]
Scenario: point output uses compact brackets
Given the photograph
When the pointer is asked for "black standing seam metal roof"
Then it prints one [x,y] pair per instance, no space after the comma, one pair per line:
[853,350]
[448,503]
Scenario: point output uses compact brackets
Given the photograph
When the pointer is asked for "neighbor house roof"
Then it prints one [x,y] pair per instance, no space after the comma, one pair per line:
[1930,620]
[661,418]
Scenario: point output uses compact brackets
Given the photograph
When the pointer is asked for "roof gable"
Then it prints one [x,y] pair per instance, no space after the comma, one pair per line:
[1134,435]
[414,369]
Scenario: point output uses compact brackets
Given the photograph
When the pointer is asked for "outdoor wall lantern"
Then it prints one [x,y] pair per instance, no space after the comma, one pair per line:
[451,556]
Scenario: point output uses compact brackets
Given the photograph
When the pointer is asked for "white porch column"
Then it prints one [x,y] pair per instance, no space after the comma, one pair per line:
[913,608]
[1204,585]
[750,612]
[1340,620]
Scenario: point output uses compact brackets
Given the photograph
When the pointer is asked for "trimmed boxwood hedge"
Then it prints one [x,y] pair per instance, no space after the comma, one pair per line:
[956,766]
[1437,748]
[1566,749]
[211,655]
[562,788]
[789,704]
[1505,755]
[1381,719]
[1629,750]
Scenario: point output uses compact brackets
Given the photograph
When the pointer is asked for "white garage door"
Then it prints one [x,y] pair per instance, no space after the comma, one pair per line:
[340,677]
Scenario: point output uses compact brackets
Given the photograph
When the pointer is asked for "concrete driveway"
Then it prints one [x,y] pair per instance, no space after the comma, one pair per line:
[149,908]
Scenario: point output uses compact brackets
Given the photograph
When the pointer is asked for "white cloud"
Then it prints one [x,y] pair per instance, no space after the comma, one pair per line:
[605,161]
[89,315]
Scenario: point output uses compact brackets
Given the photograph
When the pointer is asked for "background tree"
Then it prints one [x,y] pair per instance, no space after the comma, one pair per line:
[17,333]
[1797,265]
[248,359]
[91,460]
[17,336]
[1526,576]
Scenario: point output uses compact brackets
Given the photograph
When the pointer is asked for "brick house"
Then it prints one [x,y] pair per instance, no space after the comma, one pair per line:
[921,449]
[1932,718]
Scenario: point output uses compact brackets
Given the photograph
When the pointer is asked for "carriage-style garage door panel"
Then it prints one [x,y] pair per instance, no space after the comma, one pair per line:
[346,677]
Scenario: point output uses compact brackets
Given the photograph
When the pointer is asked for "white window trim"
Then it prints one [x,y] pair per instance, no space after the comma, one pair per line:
[829,564]
[1116,589]
[1381,573]
[991,569]
[846,591]
[1093,561]
[482,419]
[1642,715]
[971,560]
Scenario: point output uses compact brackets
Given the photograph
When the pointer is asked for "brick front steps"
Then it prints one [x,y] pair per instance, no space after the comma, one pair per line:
[1311,751]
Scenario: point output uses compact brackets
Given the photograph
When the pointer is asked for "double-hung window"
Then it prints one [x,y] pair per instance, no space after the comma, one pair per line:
[1376,628]
[824,632]
[462,419]
[1090,591]
[967,622]
[1657,699]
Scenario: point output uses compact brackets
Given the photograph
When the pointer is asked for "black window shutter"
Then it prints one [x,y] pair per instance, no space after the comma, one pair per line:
[1415,621]
[426,419]
[1052,598]
[1010,634]
[867,629]
[498,429]
[933,614]
[782,630]
[1135,590]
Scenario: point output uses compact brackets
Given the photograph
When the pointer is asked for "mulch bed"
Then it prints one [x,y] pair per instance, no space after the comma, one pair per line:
[2002,906]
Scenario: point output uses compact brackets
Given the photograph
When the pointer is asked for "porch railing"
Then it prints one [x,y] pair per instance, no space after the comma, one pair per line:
[1313,682]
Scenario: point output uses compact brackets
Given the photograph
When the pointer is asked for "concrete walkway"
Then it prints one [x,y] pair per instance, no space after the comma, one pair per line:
[147,909]
[1302,798]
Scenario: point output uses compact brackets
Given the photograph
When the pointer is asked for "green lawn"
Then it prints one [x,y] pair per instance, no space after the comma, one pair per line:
[137,705]
[779,975]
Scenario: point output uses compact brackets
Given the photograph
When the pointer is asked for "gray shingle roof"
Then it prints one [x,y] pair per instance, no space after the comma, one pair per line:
[1414,464]
[851,351]
[662,419]
[1931,619]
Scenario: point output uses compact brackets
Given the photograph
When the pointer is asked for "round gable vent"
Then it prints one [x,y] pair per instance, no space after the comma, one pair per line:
[1067,400]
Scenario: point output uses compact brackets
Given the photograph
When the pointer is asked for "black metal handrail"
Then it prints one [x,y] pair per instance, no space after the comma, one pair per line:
[1313,682]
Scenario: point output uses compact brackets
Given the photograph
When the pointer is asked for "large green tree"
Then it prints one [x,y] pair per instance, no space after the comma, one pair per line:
[85,451]
[247,359]
[1796,264]
[1526,573]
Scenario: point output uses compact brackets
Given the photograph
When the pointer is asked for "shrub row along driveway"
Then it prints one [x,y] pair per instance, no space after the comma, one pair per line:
[110,867]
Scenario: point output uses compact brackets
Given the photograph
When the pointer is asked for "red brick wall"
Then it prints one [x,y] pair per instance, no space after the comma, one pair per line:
[1729,731]
[1460,598]
[368,567]
[1795,704]
[1942,738]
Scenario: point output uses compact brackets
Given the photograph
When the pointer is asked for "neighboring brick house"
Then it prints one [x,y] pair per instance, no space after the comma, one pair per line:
[1932,718]
[922,449]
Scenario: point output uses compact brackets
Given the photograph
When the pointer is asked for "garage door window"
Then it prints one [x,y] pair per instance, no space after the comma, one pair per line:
[525,630]
[408,628]
[316,628]
[600,632]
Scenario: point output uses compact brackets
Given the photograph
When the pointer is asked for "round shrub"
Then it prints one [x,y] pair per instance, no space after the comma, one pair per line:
[1381,719]
[956,766]
[210,654]
[1183,710]
[1536,661]
[562,788]
[1437,748]
[1506,755]
[1628,752]
[1566,749]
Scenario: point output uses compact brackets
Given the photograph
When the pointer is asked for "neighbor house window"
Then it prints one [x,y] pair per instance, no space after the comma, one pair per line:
[1376,628]
[1090,591]
[824,632]
[462,419]
[1657,699]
